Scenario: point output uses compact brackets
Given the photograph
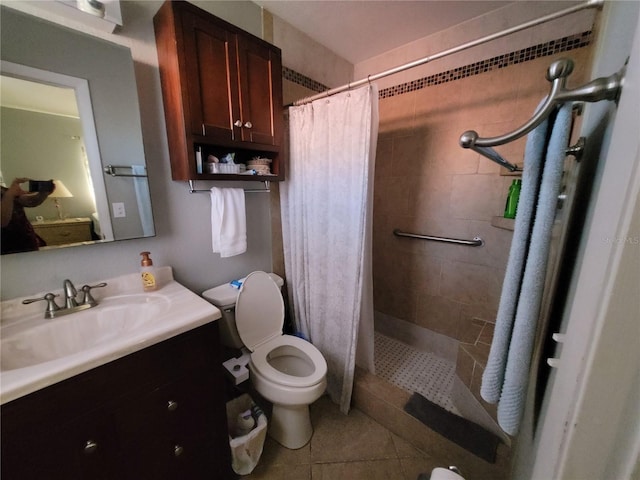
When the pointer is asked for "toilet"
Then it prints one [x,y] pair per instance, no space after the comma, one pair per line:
[287,371]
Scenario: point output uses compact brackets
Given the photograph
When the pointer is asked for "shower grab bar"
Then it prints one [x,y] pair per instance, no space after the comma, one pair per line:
[266,189]
[476,242]
[603,88]
[111,170]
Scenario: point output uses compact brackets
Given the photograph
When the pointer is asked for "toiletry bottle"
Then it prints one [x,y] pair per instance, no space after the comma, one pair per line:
[148,273]
[511,206]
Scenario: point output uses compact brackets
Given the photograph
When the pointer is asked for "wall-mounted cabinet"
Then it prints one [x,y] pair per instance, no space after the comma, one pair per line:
[222,90]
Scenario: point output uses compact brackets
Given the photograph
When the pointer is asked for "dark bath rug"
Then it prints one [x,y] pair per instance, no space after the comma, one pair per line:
[468,435]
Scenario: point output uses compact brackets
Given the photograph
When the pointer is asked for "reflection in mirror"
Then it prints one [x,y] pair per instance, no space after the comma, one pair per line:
[45,121]
[69,107]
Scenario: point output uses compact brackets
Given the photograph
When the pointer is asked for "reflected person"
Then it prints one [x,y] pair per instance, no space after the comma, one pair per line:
[18,235]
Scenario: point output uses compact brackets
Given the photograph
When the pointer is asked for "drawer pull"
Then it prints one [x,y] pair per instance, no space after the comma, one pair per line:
[172,406]
[178,450]
[237,123]
[248,125]
[90,447]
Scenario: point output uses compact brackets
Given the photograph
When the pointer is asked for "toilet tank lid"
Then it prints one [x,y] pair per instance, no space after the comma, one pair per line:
[225,296]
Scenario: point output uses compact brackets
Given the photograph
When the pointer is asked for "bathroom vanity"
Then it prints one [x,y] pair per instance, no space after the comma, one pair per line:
[157,412]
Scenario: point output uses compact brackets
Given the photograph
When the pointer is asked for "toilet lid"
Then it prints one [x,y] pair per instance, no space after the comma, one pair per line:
[259,310]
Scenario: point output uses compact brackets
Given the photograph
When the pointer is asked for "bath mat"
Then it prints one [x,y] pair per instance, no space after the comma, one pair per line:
[468,435]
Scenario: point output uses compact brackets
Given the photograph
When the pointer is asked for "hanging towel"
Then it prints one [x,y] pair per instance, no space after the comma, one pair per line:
[514,391]
[493,376]
[141,186]
[228,221]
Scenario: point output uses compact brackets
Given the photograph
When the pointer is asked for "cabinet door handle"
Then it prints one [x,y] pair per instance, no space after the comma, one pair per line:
[90,447]
[237,123]
[178,450]
[248,124]
[172,406]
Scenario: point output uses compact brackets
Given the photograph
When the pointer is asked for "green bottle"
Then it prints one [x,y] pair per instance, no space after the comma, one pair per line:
[511,207]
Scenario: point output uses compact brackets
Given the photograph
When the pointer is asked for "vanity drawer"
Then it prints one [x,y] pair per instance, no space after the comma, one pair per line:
[179,410]
[174,460]
[82,448]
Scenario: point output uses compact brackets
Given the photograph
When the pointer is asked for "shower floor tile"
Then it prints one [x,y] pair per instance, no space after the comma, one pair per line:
[415,370]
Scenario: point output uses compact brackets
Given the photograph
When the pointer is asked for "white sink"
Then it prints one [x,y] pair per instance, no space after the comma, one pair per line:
[41,340]
[36,352]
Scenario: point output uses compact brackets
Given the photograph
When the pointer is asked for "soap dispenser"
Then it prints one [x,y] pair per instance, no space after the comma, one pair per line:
[148,273]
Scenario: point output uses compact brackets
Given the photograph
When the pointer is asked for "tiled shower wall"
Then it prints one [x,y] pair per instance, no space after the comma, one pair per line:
[426,183]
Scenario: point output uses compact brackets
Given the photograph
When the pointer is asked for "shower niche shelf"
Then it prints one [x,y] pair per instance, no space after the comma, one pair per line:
[504,223]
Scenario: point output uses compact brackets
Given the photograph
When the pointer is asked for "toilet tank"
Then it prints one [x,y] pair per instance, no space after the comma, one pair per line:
[224,297]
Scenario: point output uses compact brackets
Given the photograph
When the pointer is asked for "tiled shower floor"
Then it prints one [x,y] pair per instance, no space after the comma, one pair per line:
[415,370]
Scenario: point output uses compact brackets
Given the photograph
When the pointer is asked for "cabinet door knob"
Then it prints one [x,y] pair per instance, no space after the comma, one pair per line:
[178,450]
[172,406]
[237,123]
[90,447]
[248,124]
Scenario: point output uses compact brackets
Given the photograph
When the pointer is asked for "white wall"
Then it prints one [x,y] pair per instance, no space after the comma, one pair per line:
[306,56]
[182,220]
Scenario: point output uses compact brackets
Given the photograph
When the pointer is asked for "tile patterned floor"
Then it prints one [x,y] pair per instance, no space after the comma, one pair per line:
[368,446]
[414,370]
[343,447]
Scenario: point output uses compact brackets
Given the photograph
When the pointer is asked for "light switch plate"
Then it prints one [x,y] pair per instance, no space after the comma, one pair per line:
[118,210]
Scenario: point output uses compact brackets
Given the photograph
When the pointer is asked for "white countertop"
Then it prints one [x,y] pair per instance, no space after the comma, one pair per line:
[185,311]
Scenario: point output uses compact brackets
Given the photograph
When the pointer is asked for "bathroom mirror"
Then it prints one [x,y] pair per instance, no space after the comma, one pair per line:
[86,121]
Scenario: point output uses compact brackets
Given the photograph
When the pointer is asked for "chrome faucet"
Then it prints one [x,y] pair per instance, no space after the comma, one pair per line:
[70,293]
[70,302]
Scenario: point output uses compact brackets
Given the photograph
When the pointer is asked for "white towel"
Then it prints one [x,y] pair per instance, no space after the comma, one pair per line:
[228,221]
[143,198]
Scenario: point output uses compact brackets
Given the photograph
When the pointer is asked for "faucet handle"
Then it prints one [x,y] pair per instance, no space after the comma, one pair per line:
[87,298]
[52,306]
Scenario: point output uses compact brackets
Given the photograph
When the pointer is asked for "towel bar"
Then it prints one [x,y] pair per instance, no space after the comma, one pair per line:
[111,170]
[266,189]
[476,242]
[599,89]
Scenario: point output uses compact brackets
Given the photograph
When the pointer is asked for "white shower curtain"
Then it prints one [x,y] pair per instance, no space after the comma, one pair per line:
[327,204]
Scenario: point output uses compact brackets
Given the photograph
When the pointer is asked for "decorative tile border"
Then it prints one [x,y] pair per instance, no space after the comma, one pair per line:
[501,61]
[300,79]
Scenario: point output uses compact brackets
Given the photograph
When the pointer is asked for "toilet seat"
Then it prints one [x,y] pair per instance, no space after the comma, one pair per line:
[260,361]
[259,320]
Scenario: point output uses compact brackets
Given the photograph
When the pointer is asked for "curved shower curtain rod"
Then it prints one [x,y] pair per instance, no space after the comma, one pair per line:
[416,63]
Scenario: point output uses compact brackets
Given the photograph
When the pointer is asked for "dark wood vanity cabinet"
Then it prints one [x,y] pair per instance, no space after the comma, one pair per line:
[158,413]
[222,91]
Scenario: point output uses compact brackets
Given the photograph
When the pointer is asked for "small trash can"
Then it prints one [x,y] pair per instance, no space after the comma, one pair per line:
[247,427]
